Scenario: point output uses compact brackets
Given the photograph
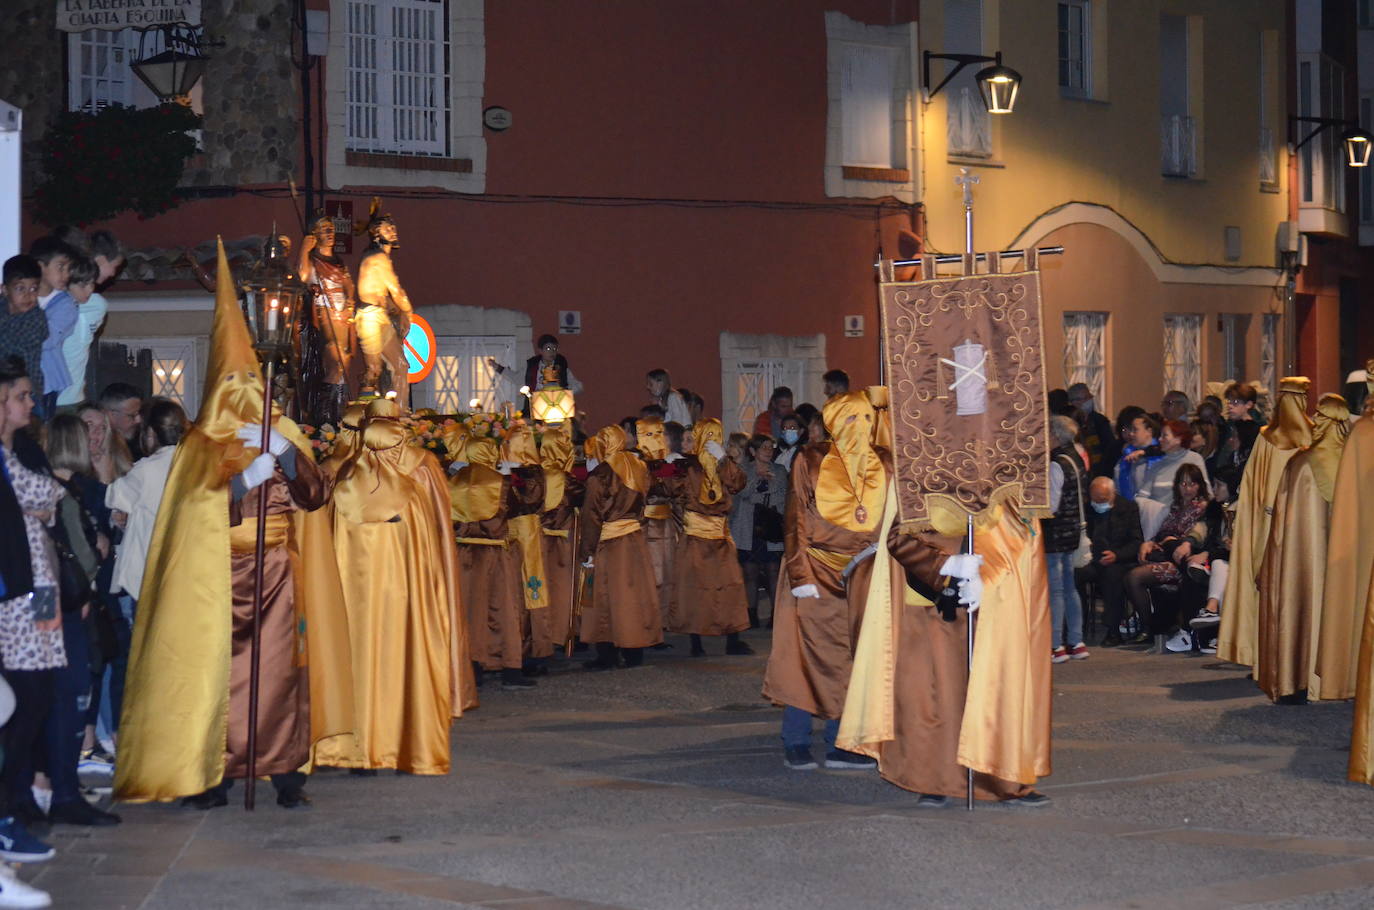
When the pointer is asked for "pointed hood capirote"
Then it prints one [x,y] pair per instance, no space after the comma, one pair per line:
[653,444]
[610,442]
[850,486]
[556,456]
[703,432]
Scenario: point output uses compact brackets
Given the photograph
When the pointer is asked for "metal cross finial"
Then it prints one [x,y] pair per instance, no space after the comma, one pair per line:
[967,180]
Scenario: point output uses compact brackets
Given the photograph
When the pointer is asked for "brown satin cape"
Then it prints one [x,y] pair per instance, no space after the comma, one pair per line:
[174,728]
[1342,655]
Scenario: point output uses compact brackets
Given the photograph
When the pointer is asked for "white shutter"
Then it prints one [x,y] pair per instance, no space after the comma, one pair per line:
[176,369]
[867,84]
[968,122]
[398,82]
[1183,355]
[1085,355]
[755,381]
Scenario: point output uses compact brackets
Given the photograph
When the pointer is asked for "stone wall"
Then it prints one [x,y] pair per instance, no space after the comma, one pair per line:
[250,91]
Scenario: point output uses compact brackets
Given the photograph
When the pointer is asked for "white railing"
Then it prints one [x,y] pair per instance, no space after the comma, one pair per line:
[1178,147]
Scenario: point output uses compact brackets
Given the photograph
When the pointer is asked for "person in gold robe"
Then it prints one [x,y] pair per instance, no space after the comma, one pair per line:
[562,497]
[1349,566]
[1291,578]
[834,509]
[1287,433]
[411,672]
[520,455]
[708,587]
[348,440]
[1350,572]
[911,704]
[184,730]
[620,613]
[481,495]
[660,524]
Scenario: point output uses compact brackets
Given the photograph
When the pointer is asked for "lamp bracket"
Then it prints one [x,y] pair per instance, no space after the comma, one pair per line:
[961,61]
[1323,123]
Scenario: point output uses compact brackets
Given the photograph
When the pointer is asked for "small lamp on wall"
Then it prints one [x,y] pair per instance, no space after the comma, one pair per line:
[997,84]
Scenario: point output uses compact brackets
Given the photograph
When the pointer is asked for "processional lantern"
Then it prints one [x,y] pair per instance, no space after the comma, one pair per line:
[552,403]
[271,295]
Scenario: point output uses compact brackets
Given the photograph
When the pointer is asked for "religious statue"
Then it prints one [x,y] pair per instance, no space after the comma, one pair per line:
[333,300]
[383,312]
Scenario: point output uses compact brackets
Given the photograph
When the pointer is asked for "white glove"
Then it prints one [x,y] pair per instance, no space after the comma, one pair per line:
[251,434]
[962,565]
[258,470]
[457,466]
[591,464]
[588,563]
[715,449]
[806,591]
[672,457]
[971,593]
[505,467]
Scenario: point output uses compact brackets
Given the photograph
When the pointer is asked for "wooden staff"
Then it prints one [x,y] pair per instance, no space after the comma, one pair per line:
[573,608]
[259,557]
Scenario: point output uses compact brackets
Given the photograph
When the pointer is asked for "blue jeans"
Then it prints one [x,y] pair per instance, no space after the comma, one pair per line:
[66,722]
[1064,603]
[796,729]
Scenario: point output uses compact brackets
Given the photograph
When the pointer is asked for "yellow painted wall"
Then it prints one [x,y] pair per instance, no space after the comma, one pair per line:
[1053,150]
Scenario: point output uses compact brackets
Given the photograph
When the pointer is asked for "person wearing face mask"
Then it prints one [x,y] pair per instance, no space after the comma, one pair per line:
[1289,432]
[790,441]
[1098,438]
[834,508]
[662,525]
[1114,529]
[184,730]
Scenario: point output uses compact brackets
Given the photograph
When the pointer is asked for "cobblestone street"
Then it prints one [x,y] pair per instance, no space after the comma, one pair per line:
[1175,785]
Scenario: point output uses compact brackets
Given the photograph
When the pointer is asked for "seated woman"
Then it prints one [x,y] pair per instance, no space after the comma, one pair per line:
[1164,556]
[1175,441]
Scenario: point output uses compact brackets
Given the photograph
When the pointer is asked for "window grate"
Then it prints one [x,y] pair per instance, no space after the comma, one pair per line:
[398,80]
[1085,352]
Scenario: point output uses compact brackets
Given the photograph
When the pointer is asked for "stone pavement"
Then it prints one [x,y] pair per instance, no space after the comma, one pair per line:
[1176,784]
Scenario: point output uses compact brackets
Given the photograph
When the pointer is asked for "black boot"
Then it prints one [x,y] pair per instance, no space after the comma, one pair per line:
[697,649]
[513,680]
[606,658]
[753,617]
[734,646]
[634,657]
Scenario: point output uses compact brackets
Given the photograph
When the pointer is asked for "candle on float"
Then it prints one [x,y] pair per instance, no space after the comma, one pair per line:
[272,315]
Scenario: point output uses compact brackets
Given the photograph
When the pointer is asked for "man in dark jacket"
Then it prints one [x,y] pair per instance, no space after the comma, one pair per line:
[1114,527]
[1098,436]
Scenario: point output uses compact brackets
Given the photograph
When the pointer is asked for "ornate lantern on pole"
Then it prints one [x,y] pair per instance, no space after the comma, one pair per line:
[171,74]
[552,404]
[271,296]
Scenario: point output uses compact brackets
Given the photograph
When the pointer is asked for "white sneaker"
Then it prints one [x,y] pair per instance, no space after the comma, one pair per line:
[43,797]
[1182,641]
[14,893]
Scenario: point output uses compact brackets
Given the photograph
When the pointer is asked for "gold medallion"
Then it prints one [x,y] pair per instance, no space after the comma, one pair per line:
[861,515]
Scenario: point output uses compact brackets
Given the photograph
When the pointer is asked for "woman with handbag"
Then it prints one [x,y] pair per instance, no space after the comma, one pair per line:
[1066,541]
[756,523]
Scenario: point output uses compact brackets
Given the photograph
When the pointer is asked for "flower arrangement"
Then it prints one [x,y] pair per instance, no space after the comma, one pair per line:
[428,431]
[117,159]
[322,439]
[495,426]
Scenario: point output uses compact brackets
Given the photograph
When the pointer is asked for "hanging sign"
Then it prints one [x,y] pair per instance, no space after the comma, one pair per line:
[82,15]
[420,349]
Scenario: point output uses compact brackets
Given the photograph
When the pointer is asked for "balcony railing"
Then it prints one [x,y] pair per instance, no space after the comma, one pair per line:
[1269,169]
[1178,146]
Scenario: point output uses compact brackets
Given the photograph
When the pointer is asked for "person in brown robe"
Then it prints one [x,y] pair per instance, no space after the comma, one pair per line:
[293,483]
[708,588]
[1292,576]
[480,497]
[834,508]
[660,524]
[620,610]
[520,455]
[562,497]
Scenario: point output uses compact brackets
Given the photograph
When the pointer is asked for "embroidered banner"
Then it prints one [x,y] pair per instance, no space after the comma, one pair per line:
[965,371]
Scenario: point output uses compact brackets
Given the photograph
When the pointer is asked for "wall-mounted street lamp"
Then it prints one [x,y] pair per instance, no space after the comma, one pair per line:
[171,74]
[1358,143]
[997,84]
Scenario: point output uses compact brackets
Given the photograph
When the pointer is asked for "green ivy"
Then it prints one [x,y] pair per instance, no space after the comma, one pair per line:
[115,160]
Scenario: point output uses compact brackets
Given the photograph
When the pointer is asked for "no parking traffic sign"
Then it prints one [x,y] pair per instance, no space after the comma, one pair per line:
[421,352]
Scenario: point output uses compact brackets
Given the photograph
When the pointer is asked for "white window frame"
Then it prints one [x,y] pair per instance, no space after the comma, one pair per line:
[1183,354]
[461,373]
[1321,168]
[1079,57]
[1268,90]
[1085,353]
[1269,353]
[392,160]
[843,36]
[176,357]
[755,381]
[1366,179]
[968,125]
[98,62]
[398,94]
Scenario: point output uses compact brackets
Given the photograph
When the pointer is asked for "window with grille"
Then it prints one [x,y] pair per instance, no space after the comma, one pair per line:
[1269,352]
[98,71]
[1075,66]
[461,373]
[1321,168]
[755,381]
[176,369]
[1183,355]
[1085,353]
[398,72]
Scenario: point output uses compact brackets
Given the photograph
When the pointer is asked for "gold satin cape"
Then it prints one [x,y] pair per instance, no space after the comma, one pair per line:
[1288,433]
[173,731]
[409,636]
[1291,578]
[1344,650]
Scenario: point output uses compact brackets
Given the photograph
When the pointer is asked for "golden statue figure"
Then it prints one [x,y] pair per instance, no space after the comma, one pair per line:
[333,300]
[384,310]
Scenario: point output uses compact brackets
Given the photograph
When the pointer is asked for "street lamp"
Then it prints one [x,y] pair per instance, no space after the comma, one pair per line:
[271,295]
[997,84]
[1358,143]
[172,74]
